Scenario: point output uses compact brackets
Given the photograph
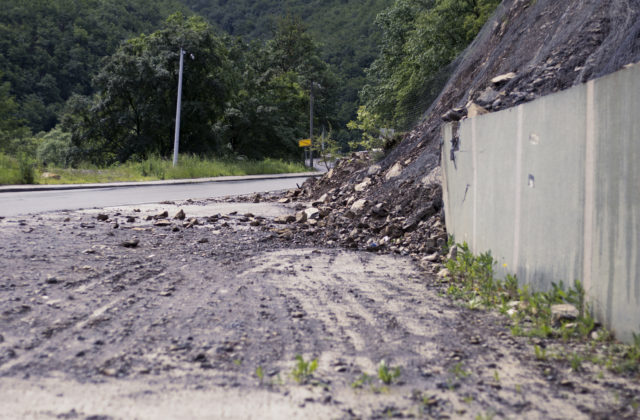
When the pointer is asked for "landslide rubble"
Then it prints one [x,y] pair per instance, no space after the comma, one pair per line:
[528,49]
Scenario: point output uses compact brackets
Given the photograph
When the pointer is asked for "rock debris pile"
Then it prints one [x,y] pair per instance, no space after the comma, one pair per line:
[527,50]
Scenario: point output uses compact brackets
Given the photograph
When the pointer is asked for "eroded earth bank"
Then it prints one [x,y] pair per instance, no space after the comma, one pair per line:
[105,314]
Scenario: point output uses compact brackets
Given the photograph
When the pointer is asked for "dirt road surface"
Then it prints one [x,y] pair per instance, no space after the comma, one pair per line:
[132,318]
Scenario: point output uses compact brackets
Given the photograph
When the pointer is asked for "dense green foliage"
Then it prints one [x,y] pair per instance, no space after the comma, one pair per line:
[238,99]
[132,113]
[107,70]
[344,29]
[49,50]
[420,37]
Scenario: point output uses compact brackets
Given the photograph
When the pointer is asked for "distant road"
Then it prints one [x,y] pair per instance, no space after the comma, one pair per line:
[20,203]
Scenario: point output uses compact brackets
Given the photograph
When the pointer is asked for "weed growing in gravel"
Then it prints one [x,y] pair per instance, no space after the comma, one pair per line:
[387,374]
[541,353]
[260,374]
[486,416]
[459,372]
[302,371]
[471,279]
[363,380]
[496,376]
[576,362]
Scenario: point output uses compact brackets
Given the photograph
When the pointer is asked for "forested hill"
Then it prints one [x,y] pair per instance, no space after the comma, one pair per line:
[50,50]
[345,29]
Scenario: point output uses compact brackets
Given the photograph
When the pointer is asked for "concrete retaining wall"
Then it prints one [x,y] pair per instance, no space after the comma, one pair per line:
[552,189]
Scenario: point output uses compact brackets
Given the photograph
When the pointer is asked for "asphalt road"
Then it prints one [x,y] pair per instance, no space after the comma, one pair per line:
[19,203]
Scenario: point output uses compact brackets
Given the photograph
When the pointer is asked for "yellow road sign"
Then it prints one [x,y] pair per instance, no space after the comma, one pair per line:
[304,142]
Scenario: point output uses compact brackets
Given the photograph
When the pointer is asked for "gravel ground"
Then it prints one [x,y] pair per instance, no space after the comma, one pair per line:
[105,314]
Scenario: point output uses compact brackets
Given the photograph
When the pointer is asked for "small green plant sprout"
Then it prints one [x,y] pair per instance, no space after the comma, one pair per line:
[496,376]
[302,371]
[260,373]
[459,372]
[387,374]
[489,415]
[541,353]
[237,362]
[576,362]
[363,380]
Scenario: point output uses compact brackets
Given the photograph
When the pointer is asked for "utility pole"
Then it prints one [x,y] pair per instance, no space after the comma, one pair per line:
[176,140]
[311,126]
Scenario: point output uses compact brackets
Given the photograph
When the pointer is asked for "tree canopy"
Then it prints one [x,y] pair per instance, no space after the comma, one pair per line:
[239,99]
[420,37]
[49,50]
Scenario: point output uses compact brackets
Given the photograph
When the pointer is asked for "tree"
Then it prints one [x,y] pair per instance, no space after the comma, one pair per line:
[420,38]
[12,128]
[132,115]
[268,111]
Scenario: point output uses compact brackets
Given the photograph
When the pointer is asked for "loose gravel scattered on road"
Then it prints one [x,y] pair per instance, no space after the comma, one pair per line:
[130,313]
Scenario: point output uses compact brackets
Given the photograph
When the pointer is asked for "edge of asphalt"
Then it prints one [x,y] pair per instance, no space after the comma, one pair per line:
[55,187]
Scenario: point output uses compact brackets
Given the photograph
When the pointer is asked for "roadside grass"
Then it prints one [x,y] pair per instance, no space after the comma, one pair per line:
[471,281]
[23,171]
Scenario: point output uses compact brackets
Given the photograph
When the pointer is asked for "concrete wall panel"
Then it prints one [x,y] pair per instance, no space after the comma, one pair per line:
[552,189]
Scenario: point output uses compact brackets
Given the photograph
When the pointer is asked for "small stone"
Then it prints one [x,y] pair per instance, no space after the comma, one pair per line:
[454,114]
[180,215]
[358,206]
[566,383]
[443,273]
[394,172]
[487,96]
[203,240]
[162,215]
[102,217]
[503,78]
[564,311]
[131,219]
[162,222]
[380,210]
[191,223]
[453,253]
[473,110]
[363,185]
[297,314]
[312,213]
[109,372]
[301,217]
[284,200]
[432,258]
[374,169]
[131,243]
[51,280]
[287,218]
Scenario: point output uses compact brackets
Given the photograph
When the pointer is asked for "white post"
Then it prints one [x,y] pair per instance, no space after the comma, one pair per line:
[176,141]
[311,125]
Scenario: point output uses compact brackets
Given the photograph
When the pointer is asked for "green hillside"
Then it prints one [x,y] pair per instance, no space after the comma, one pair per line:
[50,50]
[344,29]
